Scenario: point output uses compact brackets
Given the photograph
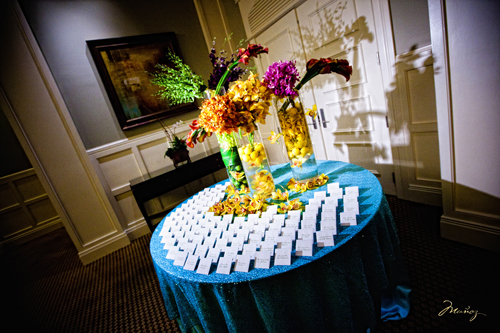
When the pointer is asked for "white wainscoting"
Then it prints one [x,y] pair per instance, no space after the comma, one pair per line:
[119,162]
[25,208]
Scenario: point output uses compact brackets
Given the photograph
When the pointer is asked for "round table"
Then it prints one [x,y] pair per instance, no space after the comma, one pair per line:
[338,289]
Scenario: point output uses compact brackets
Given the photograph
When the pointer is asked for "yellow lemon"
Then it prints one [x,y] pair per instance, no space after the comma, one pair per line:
[254,155]
[304,151]
[295,151]
[248,150]
[290,154]
[259,147]
[244,157]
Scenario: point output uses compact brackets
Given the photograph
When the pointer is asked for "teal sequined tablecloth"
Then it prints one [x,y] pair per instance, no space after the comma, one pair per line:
[336,290]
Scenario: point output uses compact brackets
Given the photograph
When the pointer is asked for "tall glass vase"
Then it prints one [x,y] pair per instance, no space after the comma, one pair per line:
[298,144]
[232,161]
[255,163]
[229,152]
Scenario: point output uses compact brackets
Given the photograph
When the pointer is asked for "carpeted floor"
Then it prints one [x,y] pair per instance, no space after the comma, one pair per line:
[46,289]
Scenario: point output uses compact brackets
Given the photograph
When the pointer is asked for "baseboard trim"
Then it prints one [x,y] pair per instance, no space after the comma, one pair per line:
[102,249]
[34,233]
[139,229]
[471,233]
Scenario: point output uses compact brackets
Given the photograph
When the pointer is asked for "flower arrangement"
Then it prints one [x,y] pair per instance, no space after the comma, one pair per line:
[179,84]
[282,78]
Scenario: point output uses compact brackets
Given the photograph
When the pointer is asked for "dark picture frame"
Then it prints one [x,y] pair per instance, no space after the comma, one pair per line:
[123,64]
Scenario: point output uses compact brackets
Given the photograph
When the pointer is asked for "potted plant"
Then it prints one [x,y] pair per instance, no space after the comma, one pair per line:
[177,151]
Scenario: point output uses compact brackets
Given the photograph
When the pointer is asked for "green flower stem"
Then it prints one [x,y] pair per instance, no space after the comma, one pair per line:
[223,79]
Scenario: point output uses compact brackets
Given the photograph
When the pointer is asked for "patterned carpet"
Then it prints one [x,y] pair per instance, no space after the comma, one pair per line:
[46,289]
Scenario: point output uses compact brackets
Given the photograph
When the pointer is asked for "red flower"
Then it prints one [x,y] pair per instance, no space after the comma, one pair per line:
[251,51]
[328,65]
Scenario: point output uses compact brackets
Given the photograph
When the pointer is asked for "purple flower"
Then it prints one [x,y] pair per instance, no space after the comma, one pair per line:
[220,65]
[281,77]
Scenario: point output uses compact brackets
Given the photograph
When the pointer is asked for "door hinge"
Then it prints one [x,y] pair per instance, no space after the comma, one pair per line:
[393,178]
[387,121]
[378,58]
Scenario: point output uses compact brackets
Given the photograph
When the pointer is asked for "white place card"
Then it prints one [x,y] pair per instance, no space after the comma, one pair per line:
[292,224]
[198,239]
[348,219]
[204,266]
[308,224]
[190,247]
[253,217]
[255,238]
[294,213]
[352,190]
[275,226]
[272,209]
[243,233]
[208,215]
[267,247]
[337,193]
[261,229]
[279,218]
[332,186]
[237,242]
[213,254]
[231,252]
[311,208]
[210,241]
[250,249]
[350,199]
[262,260]
[351,207]
[228,218]
[284,242]
[329,208]
[239,219]
[169,243]
[228,234]
[329,225]
[324,238]
[269,214]
[180,258]
[224,266]
[315,202]
[304,248]
[308,215]
[282,257]
[328,216]
[289,232]
[201,251]
[271,235]
[242,263]
[221,243]
[191,262]
[320,195]
[172,253]
[306,234]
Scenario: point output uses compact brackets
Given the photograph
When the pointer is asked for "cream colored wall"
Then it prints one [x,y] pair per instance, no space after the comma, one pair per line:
[464,35]
[35,109]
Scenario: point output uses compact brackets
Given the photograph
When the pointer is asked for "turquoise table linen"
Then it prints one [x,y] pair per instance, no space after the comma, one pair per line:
[344,288]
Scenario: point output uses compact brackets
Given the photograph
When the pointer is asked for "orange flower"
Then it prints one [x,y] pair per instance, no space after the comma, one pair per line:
[219,115]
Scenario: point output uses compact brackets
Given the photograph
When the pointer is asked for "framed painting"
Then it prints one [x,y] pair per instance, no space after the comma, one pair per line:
[124,65]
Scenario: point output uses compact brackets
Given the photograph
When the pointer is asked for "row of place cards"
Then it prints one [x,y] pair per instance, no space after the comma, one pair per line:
[196,239]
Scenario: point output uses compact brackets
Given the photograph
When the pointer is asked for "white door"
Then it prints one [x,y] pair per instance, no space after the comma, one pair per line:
[415,132]
[284,42]
[352,114]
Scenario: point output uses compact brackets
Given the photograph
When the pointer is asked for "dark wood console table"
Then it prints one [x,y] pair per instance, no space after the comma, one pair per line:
[145,190]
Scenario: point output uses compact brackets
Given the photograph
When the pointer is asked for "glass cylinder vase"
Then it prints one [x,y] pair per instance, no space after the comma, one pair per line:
[229,151]
[255,163]
[297,139]
[232,161]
